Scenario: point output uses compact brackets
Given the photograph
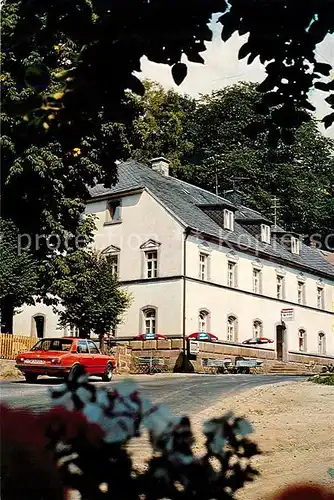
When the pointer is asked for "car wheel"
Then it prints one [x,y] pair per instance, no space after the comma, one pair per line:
[31,377]
[74,372]
[107,376]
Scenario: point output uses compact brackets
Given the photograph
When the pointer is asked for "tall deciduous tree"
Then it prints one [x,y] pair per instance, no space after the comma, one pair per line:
[44,180]
[160,128]
[205,143]
[301,175]
[90,295]
[283,34]
[18,275]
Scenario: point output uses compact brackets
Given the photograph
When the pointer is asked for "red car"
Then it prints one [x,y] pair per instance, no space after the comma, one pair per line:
[58,357]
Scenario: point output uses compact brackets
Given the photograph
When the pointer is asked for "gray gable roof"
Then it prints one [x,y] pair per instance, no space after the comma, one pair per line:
[184,201]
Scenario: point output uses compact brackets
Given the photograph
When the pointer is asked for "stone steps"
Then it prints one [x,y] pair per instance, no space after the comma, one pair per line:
[288,369]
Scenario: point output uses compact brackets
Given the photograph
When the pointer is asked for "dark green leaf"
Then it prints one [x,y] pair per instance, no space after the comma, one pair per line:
[194,56]
[323,68]
[267,84]
[179,72]
[288,137]
[330,100]
[321,86]
[328,120]
[136,85]
[253,129]
[252,57]
[245,49]
[37,76]
[230,25]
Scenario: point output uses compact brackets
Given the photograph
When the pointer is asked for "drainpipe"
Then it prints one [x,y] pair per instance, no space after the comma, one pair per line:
[184,274]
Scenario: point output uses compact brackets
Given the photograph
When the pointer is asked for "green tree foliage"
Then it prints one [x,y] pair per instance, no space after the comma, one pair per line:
[90,295]
[301,175]
[215,154]
[159,128]
[44,179]
[18,275]
[112,37]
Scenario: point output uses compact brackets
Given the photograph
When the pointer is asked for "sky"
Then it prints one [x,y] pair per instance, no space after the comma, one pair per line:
[223,68]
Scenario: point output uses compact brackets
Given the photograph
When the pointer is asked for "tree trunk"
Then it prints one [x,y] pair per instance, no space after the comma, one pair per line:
[83,334]
[7,313]
[102,346]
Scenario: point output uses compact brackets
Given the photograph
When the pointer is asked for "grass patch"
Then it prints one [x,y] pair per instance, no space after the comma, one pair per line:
[323,379]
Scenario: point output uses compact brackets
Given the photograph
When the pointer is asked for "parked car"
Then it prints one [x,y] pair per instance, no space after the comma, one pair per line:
[58,357]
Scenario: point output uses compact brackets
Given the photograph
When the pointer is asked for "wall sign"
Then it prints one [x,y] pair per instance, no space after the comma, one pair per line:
[288,314]
[150,336]
[193,347]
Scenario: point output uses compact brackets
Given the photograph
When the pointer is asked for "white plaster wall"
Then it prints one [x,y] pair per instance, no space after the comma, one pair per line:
[221,302]
[218,265]
[23,321]
[165,297]
[143,218]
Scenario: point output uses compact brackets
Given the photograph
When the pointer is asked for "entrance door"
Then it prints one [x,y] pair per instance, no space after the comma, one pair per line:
[39,324]
[280,342]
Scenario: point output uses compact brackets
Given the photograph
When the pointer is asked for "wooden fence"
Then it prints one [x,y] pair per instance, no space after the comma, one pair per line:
[12,345]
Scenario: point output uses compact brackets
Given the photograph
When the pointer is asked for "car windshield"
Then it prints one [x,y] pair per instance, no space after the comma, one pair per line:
[53,345]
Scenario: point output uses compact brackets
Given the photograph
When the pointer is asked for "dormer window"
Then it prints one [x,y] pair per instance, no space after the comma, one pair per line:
[295,245]
[114,211]
[228,220]
[265,233]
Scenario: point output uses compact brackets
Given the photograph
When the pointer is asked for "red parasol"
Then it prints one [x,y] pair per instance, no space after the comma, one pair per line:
[258,340]
[151,336]
[202,336]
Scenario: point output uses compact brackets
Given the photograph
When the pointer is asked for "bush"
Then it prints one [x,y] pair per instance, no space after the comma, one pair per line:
[81,444]
[323,379]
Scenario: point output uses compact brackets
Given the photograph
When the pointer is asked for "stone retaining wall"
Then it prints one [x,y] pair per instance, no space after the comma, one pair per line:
[124,358]
[171,352]
[295,357]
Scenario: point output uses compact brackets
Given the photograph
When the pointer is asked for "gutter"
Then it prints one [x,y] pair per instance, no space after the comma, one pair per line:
[184,275]
[114,195]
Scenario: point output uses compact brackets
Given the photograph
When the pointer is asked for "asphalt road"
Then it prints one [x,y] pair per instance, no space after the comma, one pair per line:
[184,394]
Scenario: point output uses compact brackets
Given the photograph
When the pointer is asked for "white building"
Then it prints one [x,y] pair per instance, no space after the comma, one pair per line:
[195,261]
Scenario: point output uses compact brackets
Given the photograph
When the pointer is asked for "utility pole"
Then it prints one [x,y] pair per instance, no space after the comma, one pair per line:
[275,208]
[216,182]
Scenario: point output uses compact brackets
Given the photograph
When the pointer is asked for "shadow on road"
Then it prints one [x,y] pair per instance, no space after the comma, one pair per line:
[49,381]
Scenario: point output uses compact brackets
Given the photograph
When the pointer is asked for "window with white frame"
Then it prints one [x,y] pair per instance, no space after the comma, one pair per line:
[301,292]
[257,328]
[301,340]
[114,211]
[149,320]
[257,280]
[228,220]
[295,245]
[320,297]
[151,260]
[113,261]
[203,321]
[280,287]
[231,274]
[265,233]
[203,266]
[321,343]
[232,328]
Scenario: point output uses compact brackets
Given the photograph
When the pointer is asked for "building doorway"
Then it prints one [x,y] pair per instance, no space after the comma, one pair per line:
[280,342]
[39,325]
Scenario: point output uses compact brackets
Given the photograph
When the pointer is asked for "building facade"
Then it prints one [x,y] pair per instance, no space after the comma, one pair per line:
[193,261]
